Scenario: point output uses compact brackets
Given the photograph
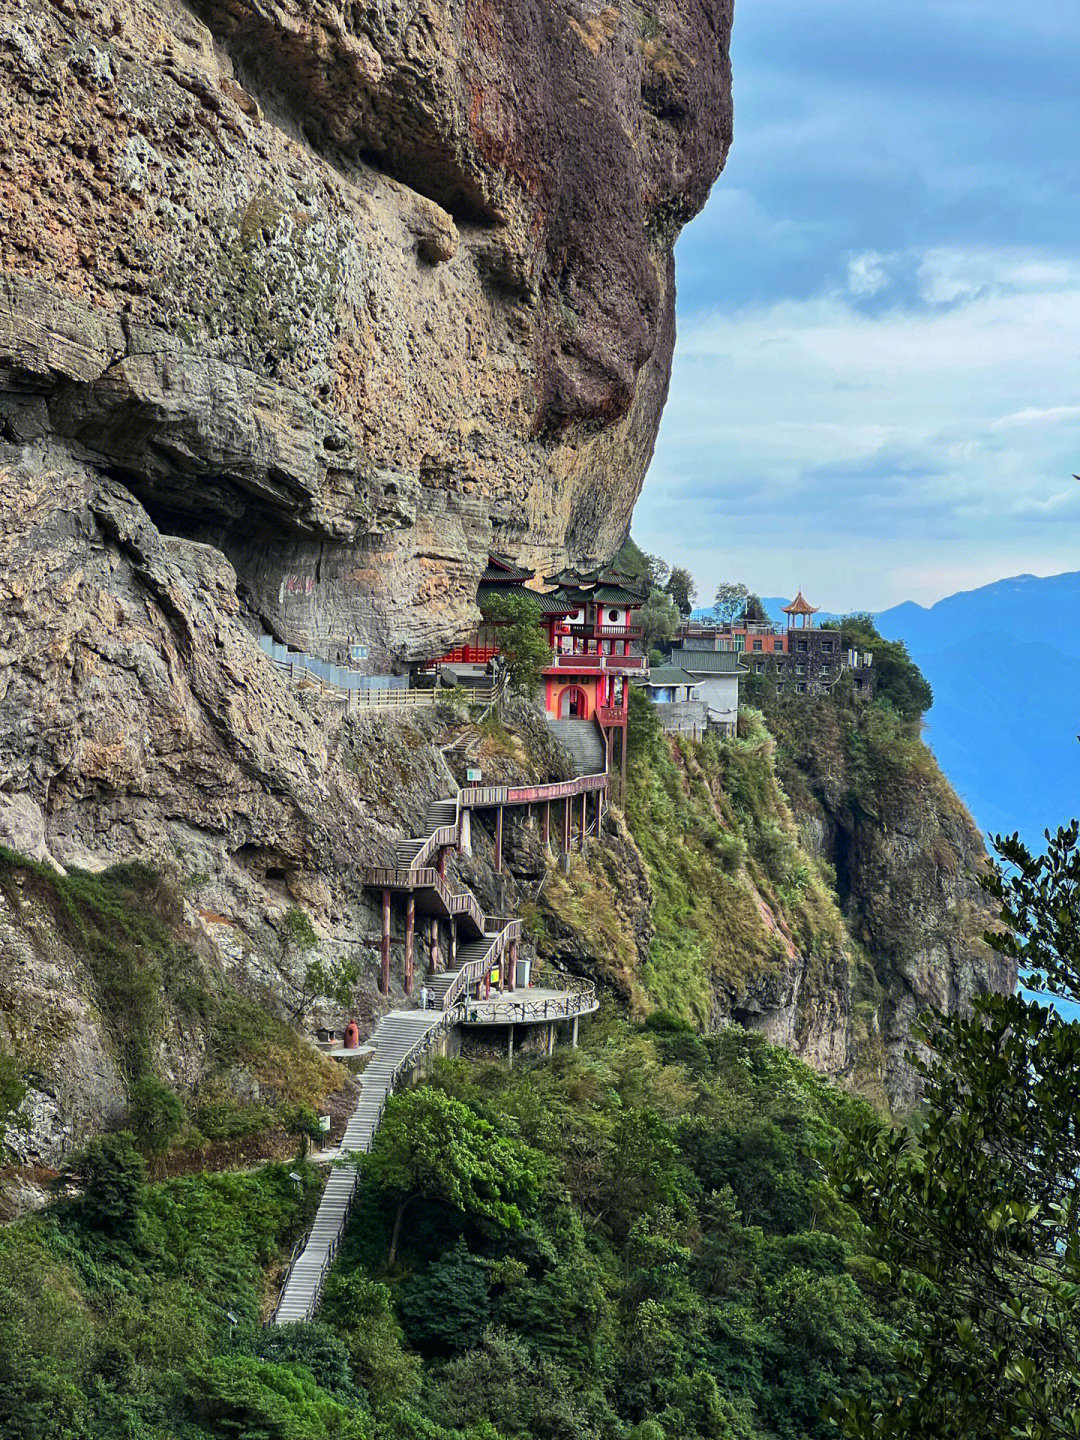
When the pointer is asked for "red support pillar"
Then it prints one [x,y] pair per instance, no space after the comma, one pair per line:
[509,966]
[547,824]
[440,864]
[498,839]
[584,819]
[433,947]
[384,978]
[566,825]
[453,942]
[410,930]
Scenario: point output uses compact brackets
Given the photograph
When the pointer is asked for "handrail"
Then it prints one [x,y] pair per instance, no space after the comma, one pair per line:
[439,839]
[477,969]
[502,1011]
[457,902]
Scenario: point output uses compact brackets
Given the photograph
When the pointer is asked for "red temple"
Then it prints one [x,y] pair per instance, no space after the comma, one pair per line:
[591,623]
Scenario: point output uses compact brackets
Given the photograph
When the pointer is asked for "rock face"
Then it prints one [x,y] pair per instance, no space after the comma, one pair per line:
[354,293]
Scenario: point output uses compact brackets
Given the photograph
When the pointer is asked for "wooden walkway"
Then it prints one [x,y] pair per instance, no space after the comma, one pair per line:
[402,1037]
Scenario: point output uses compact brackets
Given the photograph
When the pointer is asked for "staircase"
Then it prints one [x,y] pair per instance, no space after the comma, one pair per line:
[400,1038]
[440,815]
[582,738]
[473,962]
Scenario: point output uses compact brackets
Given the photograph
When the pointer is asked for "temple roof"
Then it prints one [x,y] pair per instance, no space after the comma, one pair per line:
[501,569]
[553,604]
[800,606]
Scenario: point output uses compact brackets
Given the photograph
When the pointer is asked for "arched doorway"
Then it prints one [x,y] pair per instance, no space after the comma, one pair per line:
[573,703]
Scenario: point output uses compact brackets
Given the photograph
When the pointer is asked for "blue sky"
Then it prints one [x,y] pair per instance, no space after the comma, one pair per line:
[876,392]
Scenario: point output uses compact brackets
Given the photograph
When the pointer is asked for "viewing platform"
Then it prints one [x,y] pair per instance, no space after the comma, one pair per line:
[531,1005]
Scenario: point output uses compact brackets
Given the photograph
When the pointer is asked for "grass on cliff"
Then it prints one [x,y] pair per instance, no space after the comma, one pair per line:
[125,925]
[734,892]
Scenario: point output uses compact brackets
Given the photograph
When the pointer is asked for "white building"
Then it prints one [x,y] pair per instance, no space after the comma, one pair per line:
[718,673]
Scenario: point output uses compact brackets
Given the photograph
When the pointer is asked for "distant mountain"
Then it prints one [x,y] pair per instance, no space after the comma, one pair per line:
[1004,664]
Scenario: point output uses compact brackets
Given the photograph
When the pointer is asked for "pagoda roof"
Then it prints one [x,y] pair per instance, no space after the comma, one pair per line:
[499,568]
[800,606]
[550,604]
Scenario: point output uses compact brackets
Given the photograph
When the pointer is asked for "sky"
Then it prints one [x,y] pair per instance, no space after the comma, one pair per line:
[876,389]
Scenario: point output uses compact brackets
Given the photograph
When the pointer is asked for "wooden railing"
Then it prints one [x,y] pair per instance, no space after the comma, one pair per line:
[485,797]
[477,969]
[604,632]
[592,661]
[463,902]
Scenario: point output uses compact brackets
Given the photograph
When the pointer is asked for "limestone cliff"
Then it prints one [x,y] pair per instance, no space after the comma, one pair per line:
[354,292]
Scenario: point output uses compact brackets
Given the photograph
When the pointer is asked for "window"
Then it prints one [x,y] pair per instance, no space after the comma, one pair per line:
[801,687]
[779,686]
[759,645]
[802,645]
[613,616]
[800,669]
[759,667]
[826,647]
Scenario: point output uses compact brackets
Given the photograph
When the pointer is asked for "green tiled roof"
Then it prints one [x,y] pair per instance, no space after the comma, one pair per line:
[669,675]
[709,662]
[549,604]
[500,569]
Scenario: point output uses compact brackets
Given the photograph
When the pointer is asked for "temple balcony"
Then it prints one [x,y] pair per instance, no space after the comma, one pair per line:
[604,632]
[594,664]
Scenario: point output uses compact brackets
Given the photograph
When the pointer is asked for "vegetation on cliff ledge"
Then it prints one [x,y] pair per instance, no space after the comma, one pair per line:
[663,1260]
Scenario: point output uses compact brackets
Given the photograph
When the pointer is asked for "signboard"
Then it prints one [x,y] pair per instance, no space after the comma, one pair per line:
[358,652]
[473,776]
[324,1124]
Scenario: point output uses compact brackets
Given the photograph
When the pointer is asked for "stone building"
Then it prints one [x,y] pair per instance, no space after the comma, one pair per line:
[674,695]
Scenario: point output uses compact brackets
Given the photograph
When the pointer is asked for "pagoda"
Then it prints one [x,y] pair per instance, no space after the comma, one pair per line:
[799,612]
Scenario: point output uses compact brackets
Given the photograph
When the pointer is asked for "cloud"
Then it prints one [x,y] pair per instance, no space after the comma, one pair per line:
[867,273]
[858,446]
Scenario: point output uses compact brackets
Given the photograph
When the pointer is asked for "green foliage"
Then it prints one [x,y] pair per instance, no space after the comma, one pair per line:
[243,1396]
[900,682]
[429,1146]
[157,1114]
[640,1294]
[446,1306]
[110,1173]
[12,1094]
[523,648]
[659,619]
[973,1213]
[111,1328]
[680,586]
[730,600]
[718,837]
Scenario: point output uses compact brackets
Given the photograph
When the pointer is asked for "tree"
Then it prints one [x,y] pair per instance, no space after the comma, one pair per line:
[899,679]
[730,602]
[755,609]
[659,619]
[430,1146]
[657,572]
[680,586]
[524,652]
[976,1213]
[156,1113]
[319,979]
[110,1172]
[446,1306]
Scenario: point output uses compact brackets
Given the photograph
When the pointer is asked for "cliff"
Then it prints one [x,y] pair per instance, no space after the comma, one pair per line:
[814,879]
[353,293]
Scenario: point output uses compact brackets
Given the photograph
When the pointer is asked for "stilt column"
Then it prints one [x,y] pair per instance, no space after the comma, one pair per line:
[410,933]
[384,977]
[498,840]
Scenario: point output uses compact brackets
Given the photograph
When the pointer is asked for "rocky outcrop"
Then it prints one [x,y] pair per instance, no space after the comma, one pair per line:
[354,293]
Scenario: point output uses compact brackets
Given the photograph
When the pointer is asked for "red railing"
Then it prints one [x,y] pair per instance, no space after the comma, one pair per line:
[611,715]
[592,663]
[467,655]
[604,632]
